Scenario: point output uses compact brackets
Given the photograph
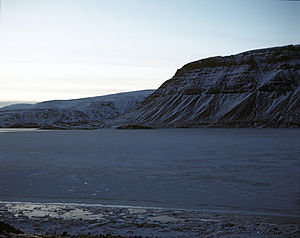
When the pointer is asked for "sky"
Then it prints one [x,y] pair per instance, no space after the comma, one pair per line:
[66,49]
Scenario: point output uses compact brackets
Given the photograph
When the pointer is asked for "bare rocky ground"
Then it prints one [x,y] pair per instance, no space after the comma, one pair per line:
[73,220]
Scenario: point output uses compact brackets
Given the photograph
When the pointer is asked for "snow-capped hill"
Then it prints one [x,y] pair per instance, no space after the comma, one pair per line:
[70,114]
[18,106]
[250,89]
[122,101]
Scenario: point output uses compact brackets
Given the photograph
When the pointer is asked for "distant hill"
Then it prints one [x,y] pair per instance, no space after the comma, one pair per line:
[258,88]
[85,113]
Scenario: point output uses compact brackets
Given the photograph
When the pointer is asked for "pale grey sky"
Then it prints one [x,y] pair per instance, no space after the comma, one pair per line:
[61,49]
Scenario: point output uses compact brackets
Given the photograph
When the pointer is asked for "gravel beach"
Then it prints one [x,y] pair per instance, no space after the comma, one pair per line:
[53,220]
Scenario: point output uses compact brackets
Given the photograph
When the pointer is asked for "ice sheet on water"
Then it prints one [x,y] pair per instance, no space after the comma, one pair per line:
[218,169]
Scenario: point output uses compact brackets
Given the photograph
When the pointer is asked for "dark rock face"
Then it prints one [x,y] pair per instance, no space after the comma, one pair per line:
[258,88]
[6,229]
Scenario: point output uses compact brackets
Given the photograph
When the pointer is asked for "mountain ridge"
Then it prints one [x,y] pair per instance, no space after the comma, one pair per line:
[258,88]
[82,113]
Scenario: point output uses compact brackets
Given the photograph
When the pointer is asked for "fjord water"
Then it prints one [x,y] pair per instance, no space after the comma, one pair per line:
[235,170]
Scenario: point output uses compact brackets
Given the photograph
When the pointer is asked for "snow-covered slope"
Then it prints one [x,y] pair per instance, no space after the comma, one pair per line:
[259,88]
[77,113]
[250,89]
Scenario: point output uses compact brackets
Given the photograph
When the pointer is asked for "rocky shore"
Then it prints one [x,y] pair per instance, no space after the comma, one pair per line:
[74,220]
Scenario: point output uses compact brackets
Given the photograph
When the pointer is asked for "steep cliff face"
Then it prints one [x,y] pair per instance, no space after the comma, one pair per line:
[85,113]
[250,89]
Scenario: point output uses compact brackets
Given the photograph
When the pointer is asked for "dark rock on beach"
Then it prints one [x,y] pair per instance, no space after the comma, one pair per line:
[6,229]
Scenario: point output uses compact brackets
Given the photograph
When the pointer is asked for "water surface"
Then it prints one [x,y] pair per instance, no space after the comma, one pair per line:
[244,170]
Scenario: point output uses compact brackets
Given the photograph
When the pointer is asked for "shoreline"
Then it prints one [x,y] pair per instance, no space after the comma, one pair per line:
[235,211]
[127,221]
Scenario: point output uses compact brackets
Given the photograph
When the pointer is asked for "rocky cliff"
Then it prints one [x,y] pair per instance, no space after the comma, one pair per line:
[258,88]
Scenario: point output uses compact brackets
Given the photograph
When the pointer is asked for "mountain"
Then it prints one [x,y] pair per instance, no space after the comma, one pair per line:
[85,113]
[258,88]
